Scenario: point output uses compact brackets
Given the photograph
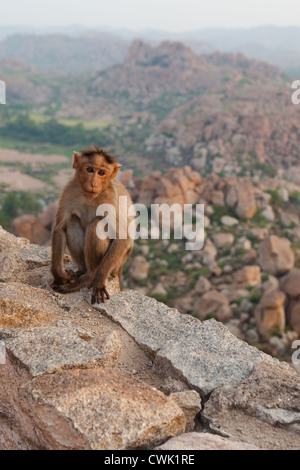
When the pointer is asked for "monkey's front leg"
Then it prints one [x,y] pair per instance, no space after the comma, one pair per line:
[99,295]
[111,264]
[98,286]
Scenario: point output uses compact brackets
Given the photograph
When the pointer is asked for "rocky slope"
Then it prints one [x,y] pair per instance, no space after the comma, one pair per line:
[232,130]
[128,374]
[247,273]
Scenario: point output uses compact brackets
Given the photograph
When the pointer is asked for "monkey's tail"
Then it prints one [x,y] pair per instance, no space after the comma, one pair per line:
[82,281]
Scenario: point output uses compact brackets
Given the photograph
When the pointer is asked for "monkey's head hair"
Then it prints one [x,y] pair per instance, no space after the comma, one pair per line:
[96,150]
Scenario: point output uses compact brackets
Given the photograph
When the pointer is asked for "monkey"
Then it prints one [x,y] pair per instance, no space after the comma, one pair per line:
[93,184]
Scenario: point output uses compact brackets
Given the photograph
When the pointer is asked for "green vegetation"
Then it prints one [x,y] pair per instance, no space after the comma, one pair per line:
[295,197]
[259,220]
[14,204]
[276,200]
[219,212]
[265,168]
[23,128]
[87,124]
[245,81]
[255,297]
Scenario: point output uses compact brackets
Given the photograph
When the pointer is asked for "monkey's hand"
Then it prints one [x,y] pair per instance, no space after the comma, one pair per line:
[99,294]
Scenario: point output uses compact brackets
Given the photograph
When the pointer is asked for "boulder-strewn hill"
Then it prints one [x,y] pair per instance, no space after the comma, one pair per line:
[26,84]
[247,273]
[128,374]
[173,67]
[250,124]
[165,105]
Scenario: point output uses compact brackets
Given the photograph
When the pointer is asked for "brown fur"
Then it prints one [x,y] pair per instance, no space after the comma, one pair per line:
[76,222]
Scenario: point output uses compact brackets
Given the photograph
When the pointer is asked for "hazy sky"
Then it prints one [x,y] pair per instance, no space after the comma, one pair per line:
[172,15]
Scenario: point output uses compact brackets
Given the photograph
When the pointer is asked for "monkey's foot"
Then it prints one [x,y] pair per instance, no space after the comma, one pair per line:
[73,276]
[99,295]
[67,277]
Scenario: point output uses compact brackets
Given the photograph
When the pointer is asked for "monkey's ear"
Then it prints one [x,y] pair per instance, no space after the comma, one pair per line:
[76,157]
[115,171]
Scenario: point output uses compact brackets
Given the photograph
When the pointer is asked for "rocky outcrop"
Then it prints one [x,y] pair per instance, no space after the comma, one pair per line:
[269,394]
[203,441]
[35,228]
[275,256]
[240,198]
[270,314]
[147,72]
[131,373]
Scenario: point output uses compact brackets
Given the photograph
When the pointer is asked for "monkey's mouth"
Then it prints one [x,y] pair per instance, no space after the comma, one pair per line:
[90,191]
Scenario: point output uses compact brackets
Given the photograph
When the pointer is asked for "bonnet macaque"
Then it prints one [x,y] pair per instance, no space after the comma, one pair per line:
[97,259]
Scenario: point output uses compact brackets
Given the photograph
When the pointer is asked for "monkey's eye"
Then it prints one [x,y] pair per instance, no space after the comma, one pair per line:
[90,169]
[101,173]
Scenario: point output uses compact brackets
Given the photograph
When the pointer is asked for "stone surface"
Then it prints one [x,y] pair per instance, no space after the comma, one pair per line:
[205,354]
[275,256]
[259,232]
[139,268]
[223,239]
[229,221]
[209,252]
[111,349]
[202,285]
[270,314]
[203,441]
[23,306]
[294,317]
[248,275]
[61,371]
[190,403]
[18,266]
[139,316]
[273,299]
[212,303]
[12,268]
[102,409]
[268,213]
[240,198]
[290,283]
[10,242]
[268,401]
[43,350]
[29,226]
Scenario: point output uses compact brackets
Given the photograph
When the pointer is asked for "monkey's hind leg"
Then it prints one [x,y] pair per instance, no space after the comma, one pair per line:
[95,248]
[75,242]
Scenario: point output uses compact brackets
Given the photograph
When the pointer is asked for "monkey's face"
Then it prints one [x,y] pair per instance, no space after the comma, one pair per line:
[94,176]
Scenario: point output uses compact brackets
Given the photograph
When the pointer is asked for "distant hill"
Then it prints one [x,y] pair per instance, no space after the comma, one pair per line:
[59,52]
[278,45]
[70,47]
